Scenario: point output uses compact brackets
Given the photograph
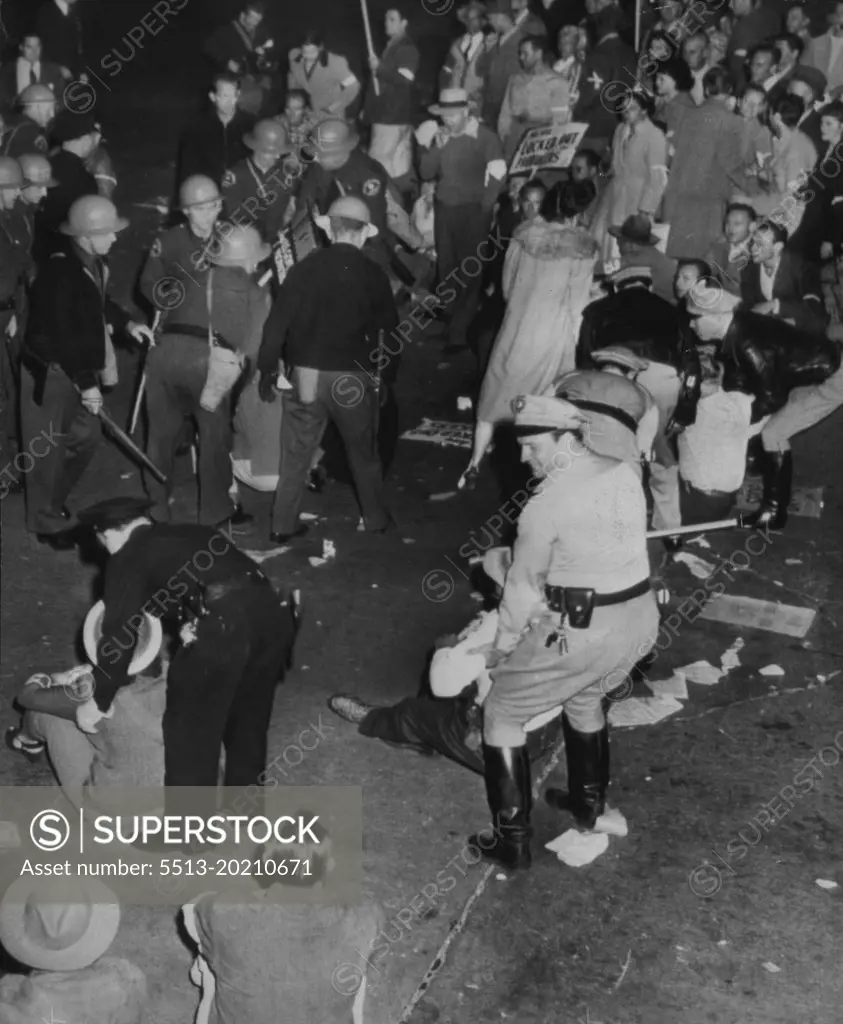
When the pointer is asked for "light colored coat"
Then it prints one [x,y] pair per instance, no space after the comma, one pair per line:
[639,177]
[818,55]
[706,169]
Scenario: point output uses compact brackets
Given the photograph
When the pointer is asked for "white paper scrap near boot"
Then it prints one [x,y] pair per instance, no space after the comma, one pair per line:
[826,883]
[673,687]
[748,611]
[698,566]
[642,711]
[730,657]
[611,823]
[771,670]
[578,848]
[315,562]
[262,556]
[700,542]
[307,517]
[702,672]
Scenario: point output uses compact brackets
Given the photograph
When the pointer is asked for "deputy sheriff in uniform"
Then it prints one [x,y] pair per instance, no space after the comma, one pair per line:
[236,642]
[258,189]
[15,270]
[225,307]
[67,357]
[577,611]
[179,257]
[29,134]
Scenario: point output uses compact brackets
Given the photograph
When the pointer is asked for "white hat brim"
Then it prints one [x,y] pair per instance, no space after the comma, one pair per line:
[147,647]
[102,926]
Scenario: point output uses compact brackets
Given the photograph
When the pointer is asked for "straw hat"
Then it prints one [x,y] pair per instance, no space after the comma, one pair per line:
[450,99]
[40,928]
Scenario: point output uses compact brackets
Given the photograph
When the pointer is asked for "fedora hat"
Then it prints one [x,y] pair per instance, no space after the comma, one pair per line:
[450,99]
[812,77]
[40,928]
[635,228]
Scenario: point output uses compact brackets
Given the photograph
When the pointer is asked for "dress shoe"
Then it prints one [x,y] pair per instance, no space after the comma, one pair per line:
[350,709]
[282,538]
[20,743]
[64,541]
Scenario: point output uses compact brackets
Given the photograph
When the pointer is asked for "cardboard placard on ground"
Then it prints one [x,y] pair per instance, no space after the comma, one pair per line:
[551,147]
[748,611]
[449,435]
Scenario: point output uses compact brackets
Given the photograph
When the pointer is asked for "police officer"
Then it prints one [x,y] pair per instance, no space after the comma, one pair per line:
[236,642]
[29,133]
[326,322]
[226,306]
[38,179]
[65,359]
[258,189]
[178,259]
[577,612]
[15,269]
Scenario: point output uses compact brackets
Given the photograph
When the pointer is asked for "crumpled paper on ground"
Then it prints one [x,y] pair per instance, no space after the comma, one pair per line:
[262,556]
[577,849]
[675,686]
[730,657]
[642,710]
[698,566]
[701,672]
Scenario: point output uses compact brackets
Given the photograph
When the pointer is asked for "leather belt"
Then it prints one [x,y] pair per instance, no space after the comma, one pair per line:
[555,595]
[195,331]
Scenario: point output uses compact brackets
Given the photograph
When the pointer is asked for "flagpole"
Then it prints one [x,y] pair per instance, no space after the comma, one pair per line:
[637,25]
[370,45]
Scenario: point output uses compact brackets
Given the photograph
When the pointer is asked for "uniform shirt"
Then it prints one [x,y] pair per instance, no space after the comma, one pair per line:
[469,168]
[532,100]
[257,198]
[177,261]
[211,148]
[359,176]
[328,312]
[330,83]
[585,526]
[69,309]
[157,568]
[74,181]
[396,75]
[25,136]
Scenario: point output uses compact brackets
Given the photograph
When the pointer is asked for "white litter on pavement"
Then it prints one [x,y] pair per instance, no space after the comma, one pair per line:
[730,659]
[826,883]
[262,556]
[676,686]
[464,404]
[316,562]
[308,517]
[771,670]
[793,561]
[698,566]
[700,542]
[442,432]
[702,673]
[577,849]
[329,550]
[749,611]
[500,877]
[642,711]
[771,968]
[408,540]
[443,496]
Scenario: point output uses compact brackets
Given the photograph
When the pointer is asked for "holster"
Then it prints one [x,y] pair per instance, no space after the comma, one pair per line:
[575,604]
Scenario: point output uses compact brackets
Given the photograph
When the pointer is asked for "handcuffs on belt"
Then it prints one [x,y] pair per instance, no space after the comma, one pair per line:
[191,611]
[575,606]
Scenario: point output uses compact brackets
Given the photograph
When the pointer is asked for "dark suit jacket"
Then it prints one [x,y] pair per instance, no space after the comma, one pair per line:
[69,309]
[767,358]
[811,127]
[608,73]
[208,147]
[50,75]
[61,37]
[797,287]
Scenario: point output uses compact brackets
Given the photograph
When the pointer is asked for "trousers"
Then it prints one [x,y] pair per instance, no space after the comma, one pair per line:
[536,678]
[804,408]
[663,384]
[74,435]
[175,375]
[220,691]
[458,232]
[449,726]
[349,401]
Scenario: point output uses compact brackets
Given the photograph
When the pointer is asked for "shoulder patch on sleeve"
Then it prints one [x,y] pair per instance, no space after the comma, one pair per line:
[371,187]
[156,249]
[41,143]
[229,179]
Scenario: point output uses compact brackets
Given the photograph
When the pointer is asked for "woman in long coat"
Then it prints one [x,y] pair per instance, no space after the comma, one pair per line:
[639,172]
[546,284]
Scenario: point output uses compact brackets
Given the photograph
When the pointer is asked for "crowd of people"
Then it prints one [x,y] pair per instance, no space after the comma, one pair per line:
[638,318]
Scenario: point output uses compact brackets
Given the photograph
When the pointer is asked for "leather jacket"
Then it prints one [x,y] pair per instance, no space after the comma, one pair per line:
[767,358]
[651,328]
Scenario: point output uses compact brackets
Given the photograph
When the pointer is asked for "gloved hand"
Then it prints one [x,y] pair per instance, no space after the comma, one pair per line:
[266,388]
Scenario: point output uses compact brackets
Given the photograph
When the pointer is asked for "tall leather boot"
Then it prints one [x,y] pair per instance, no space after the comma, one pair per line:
[510,795]
[778,490]
[587,757]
